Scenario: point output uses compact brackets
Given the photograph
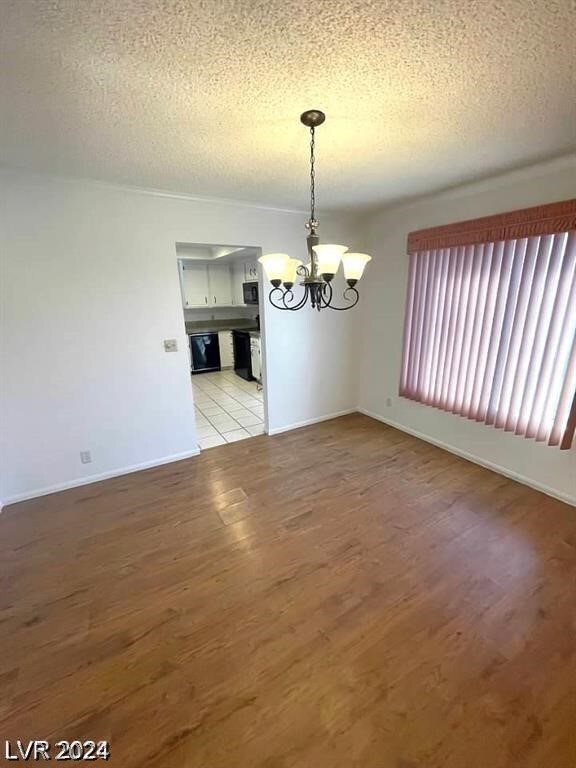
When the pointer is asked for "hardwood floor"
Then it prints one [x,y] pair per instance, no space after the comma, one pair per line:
[340,596]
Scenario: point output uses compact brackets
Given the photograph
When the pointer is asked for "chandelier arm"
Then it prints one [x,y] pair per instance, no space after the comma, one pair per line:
[320,296]
[283,298]
[302,301]
[326,291]
[271,296]
[347,292]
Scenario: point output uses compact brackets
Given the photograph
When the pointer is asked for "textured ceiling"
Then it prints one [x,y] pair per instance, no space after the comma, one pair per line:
[203,96]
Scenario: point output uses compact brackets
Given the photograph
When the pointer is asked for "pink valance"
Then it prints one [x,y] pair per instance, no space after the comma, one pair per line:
[528,222]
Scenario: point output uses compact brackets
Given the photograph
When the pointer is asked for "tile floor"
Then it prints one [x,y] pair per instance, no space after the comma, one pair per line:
[227,408]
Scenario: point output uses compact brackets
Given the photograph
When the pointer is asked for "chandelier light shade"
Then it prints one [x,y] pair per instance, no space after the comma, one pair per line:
[274,265]
[329,258]
[354,264]
[323,259]
[290,272]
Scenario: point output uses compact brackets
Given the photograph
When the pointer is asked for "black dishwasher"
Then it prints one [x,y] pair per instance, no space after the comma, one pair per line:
[242,354]
[205,352]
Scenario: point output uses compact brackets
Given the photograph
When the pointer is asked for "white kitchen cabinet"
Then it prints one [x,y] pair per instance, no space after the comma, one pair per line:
[226,349]
[220,283]
[251,271]
[255,357]
[238,280]
[194,284]
[210,285]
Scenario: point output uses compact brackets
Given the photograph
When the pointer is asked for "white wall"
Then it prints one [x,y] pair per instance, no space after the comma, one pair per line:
[89,289]
[382,315]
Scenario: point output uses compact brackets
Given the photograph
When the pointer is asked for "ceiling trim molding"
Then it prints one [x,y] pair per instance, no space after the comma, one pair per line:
[150,191]
[470,187]
[485,183]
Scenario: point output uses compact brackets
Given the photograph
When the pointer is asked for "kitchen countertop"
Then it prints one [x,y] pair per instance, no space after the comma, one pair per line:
[222,325]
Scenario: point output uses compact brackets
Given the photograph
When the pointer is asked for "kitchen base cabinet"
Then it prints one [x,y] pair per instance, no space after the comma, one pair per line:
[226,349]
[255,358]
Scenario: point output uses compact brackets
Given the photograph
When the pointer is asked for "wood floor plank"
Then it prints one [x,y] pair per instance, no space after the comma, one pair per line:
[342,595]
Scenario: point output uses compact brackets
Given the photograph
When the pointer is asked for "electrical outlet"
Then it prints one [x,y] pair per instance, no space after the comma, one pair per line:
[170,345]
[85,457]
[388,402]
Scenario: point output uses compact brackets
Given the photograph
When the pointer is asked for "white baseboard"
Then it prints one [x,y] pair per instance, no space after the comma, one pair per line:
[145,465]
[98,478]
[308,422]
[474,459]
[189,454]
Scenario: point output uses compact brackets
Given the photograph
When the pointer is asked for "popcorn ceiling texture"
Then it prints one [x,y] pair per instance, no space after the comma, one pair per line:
[204,96]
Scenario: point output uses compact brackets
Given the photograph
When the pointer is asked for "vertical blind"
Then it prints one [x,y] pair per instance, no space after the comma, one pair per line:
[490,327]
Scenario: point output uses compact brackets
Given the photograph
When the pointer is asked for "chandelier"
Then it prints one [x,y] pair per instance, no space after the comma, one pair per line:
[323,260]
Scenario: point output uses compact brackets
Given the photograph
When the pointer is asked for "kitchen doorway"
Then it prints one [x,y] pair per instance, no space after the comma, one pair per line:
[221,310]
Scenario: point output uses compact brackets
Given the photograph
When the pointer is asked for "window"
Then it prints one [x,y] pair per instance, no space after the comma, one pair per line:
[490,327]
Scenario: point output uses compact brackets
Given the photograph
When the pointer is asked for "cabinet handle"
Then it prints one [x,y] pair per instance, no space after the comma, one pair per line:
[214,299]
[206,299]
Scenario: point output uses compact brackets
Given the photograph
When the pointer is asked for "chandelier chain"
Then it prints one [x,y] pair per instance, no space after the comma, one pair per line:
[312,177]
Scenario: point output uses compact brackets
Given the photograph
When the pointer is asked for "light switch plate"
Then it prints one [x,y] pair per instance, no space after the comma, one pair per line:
[170,345]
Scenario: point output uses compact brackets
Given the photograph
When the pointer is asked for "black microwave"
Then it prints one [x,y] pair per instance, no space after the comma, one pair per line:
[250,292]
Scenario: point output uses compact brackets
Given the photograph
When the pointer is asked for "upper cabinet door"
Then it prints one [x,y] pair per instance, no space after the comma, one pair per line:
[238,281]
[194,283]
[220,281]
[251,271]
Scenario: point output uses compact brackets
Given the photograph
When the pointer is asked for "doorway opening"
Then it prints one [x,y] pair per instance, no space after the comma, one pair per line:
[221,309]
